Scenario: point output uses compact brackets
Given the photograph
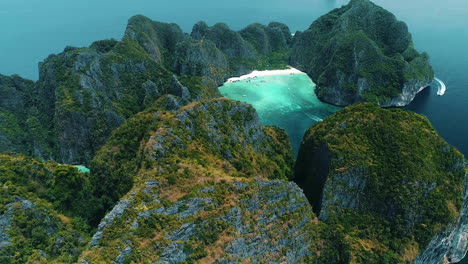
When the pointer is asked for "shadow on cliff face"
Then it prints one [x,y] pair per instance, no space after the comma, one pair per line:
[421,101]
[311,170]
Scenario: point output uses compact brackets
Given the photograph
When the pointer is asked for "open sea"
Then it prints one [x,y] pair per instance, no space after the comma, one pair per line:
[32,29]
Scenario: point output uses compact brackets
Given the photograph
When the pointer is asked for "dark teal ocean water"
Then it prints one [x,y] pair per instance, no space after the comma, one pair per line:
[32,29]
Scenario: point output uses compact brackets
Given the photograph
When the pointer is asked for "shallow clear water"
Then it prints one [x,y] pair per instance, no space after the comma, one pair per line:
[286,101]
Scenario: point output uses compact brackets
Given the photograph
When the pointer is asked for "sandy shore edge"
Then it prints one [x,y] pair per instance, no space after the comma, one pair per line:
[254,74]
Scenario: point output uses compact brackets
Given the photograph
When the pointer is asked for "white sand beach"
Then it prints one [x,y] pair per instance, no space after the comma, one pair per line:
[255,74]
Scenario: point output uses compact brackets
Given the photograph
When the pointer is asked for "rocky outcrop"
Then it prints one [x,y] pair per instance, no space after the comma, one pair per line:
[36,233]
[158,39]
[88,92]
[275,37]
[228,130]
[450,245]
[202,58]
[230,42]
[250,224]
[83,94]
[21,128]
[361,52]
[362,166]
[197,196]
[199,30]
[219,52]
[116,212]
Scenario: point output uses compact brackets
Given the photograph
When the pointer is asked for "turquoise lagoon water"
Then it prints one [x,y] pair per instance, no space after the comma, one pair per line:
[83,169]
[32,29]
[287,101]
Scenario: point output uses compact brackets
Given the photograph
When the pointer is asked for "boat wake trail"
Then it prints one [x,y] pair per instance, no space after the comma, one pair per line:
[442,87]
[312,117]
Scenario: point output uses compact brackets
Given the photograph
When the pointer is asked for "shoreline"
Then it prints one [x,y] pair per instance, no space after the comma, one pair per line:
[255,74]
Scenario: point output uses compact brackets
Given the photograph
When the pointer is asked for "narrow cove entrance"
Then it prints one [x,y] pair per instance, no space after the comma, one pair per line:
[283,98]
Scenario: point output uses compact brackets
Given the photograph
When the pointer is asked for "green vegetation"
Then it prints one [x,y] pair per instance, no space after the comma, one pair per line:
[203,134]
[44,205]
[21,123]
[83,94]
[392,182]
[219,52]
[188,178]
[62,185]
[361,52]
[104,46]
[188,159]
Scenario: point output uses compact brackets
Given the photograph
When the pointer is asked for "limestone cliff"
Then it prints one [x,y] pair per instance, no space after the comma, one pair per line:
[220,52]
[390,180]
[41,205]
[361,52]
[209,187]
[83,94]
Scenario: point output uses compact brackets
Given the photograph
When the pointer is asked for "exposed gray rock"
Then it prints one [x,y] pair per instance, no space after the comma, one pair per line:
[187,208]
[208,190]
[177,89]
[246,125]
[5,221]
[450,245]
[171,102]
[184,233]
[174,253]
[230,42]
[343,191]
[201,59]
[353,59]
[152,91]
[257,224]
[199,30]
[274,199]
[117,211]
[123,254]
[410,89]
[154,37]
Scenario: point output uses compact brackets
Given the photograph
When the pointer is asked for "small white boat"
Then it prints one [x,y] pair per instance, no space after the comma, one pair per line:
[244,95]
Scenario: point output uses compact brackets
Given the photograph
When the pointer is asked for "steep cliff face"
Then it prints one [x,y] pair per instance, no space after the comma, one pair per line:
[275,37]
[159,40]
[21,123]
[40,209]
[83,94]
[228,131]
[209,186]
[202,58]
[220,53]
[215,222]
[12,112]
[92,94]
[390,171]
[361,52]
[450,245]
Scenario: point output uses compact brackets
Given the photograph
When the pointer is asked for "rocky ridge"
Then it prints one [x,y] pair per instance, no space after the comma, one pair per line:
[361,52]
[83,94]
[198,197]
[406,192]
[178,176]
